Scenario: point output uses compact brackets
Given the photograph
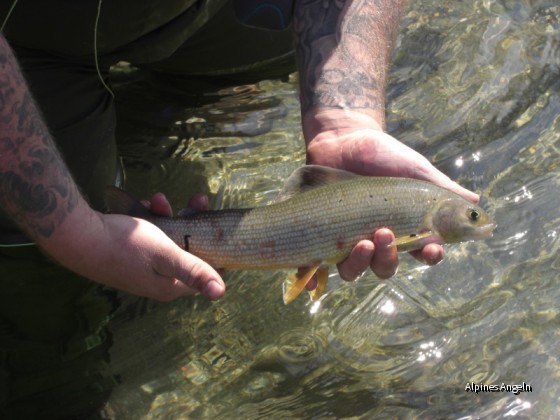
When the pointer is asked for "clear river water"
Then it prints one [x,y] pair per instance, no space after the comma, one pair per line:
[475,87]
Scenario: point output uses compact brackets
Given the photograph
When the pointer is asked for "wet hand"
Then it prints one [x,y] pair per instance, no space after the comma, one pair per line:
[372,152]
[199,276]
[160,205]
[145,262]
[381,256]
[130,254]
[375,153]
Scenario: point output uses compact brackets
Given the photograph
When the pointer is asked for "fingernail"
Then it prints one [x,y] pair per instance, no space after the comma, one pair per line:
[214,290]
[385,240]
[367,249]
[435,259]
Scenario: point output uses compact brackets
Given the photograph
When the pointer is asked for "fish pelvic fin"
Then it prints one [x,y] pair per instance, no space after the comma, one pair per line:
[121,202]
[322,279]
[309,177]
[293,286]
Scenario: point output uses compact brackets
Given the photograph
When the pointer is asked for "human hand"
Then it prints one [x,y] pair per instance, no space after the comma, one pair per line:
[369,151]
[133,255]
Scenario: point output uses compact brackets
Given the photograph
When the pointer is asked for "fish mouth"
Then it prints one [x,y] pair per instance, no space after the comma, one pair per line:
[487,231]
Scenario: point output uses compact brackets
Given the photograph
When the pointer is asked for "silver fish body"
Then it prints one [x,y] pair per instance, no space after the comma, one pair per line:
[320,216]
[325,223]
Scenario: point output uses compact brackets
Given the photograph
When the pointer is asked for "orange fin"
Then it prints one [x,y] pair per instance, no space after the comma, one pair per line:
[322,279]
[415,241]
[296,283]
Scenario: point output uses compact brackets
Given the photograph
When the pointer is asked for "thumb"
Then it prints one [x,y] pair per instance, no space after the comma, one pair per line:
[192,272]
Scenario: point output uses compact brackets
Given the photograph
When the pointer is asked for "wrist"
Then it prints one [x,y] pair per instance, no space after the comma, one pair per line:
[326,124]
[75,242]
[328,134]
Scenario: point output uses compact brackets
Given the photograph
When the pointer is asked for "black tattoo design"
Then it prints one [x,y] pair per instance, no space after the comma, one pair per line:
[36,189]
[343,51]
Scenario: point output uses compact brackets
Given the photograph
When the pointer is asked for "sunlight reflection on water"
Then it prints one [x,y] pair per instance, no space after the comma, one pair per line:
[475,87]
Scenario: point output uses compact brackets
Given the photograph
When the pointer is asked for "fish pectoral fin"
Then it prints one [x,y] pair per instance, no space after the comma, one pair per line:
[322,279]
[415,241]
[296,282]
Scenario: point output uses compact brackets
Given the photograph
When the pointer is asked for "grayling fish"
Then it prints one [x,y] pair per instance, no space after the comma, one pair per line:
[319,216]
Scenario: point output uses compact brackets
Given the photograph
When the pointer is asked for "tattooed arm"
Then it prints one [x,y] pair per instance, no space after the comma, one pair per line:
[344,48]
[39,194]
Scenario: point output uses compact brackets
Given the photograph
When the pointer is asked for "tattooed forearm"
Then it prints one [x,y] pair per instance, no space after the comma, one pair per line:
[36,190]
[344,50]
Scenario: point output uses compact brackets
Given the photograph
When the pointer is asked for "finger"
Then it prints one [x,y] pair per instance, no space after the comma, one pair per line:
[198,202]
[421,168]
[385,260]
[176,289]
[431,254]
[160,206]
[447,183]
[193,272]
[429,173]
[312,283]
[467,194]
[357,262]
[172,288]
[214,289]
[203,278]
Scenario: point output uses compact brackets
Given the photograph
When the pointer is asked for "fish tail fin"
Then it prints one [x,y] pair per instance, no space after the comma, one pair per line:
[121,202]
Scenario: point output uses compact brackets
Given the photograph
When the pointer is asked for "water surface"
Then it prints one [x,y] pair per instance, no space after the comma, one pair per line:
[475,87]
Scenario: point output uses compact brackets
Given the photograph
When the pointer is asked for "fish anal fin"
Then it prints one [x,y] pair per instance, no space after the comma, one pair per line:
[322,279]
[296,282]
[416,241]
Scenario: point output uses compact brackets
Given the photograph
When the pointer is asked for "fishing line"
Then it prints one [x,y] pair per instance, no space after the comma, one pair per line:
[8,15]
[4,22]
[95,49]
[95,53]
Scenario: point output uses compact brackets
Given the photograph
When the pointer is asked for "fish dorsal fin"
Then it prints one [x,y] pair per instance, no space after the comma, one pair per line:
[310,177]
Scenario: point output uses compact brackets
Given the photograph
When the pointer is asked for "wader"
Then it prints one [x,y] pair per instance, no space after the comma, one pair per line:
[53,343]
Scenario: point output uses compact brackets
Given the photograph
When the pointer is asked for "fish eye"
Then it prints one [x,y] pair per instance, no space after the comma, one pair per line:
[474,214]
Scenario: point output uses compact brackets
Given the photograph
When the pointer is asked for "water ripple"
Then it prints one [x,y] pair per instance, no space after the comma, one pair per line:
[474,88]
[383,333]
[519,212]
